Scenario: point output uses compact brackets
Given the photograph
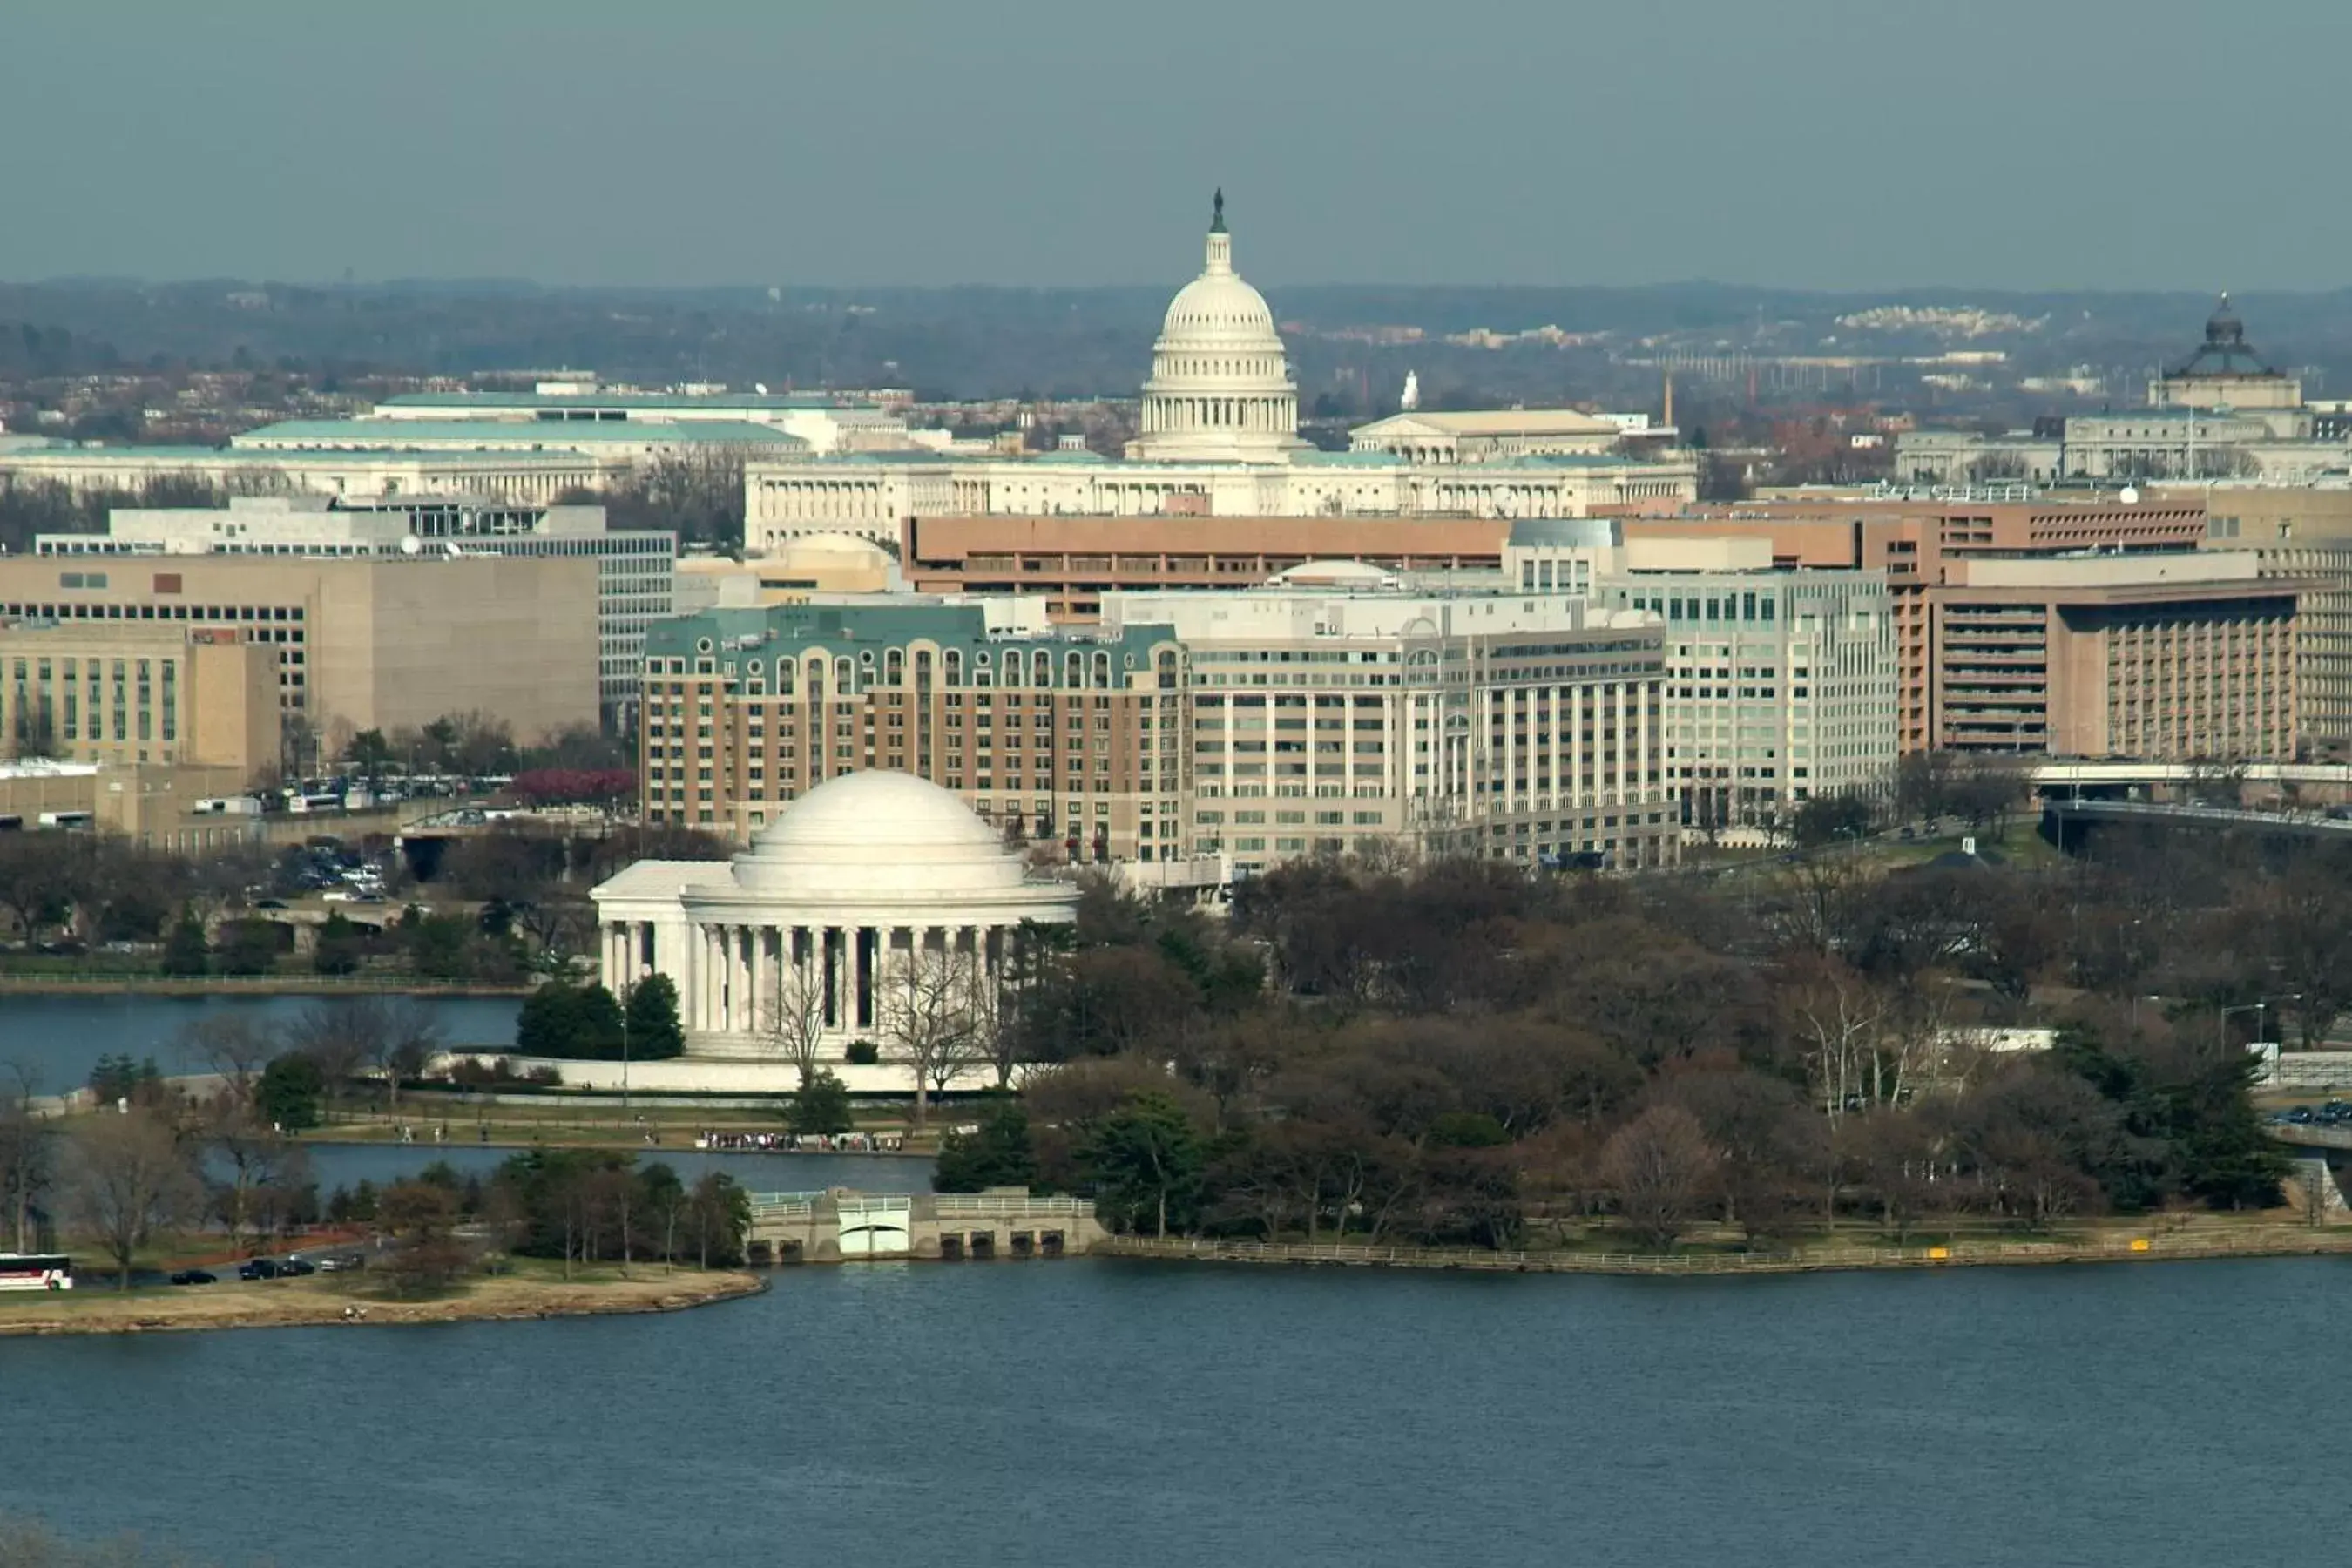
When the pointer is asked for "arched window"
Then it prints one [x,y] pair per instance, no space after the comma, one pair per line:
[1041,668]
[784,668]
[844,676]
[1102,672]
[894,667]
[953,660]
[1074,669]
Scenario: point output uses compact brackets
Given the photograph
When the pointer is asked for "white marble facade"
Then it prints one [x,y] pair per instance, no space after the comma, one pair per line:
[809,929]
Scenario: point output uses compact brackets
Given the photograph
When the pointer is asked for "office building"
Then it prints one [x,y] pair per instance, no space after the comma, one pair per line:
[1917,540]
[1338,710]
[2168,659]
[1072,562]
[635,567]
[1070,740]
[134,692]
[365,643]
[1780,684]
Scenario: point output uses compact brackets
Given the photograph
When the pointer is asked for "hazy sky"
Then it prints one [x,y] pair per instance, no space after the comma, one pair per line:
[1832,144]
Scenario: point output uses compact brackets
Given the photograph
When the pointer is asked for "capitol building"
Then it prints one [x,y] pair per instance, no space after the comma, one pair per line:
[1218,436]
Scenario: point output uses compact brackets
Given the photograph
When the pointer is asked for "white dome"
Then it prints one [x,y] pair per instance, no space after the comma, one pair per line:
[878,829]
[1219,308]
[1221,389]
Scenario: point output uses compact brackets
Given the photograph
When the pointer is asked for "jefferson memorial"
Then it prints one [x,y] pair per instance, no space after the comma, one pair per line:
[862,881]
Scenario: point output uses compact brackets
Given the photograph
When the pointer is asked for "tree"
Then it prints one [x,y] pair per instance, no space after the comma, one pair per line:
[42,876]
[1842,816]
[114,1079]
[247,947]
[794,1018]
[369,756]
[718,1215]
[663,1199]
[440,947]
[401,1037]
[932,1018]
[821,1106]
[287,1094]
[422,1218]
[340,946]
[561,1019]
[654,1033]
[27,1156]
[1146,1161]
[263,1168]
[1659,1166]
[133,1182]
[998,1154]
[185,950]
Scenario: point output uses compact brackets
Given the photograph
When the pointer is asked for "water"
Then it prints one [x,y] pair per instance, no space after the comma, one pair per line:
[61,1037]
[1087,1413]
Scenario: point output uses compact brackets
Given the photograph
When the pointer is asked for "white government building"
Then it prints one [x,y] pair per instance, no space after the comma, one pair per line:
[823,915]
[1219,436]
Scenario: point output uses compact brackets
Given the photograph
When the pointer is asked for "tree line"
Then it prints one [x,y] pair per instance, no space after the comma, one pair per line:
[157,1161]
[1466,1055]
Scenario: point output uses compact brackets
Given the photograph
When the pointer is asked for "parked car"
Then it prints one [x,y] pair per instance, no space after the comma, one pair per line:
[341,1263]
[294,1266]
[195,1276]
[257,1268]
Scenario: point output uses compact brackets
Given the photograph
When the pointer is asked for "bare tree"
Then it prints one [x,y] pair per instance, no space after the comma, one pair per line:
[402,1041]
[794,1015]
[1661,1169]
[932,1017]
[233,1047]
[27,1151]
[262,1168]
[132,1180]
[343,1037]
[1839,1020]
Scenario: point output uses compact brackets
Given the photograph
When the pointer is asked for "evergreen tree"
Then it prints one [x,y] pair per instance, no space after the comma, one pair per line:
[289,1092]
[654,1033]
[561,1019]
[340,946]
[1146,1161]
[549,1021]
[822,1106]
[997,1156]
[186,952]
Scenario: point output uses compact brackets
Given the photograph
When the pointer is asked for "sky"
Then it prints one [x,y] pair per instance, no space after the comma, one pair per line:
[1804,144]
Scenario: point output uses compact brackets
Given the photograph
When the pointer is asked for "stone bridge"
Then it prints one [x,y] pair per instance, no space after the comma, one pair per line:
[838,1224]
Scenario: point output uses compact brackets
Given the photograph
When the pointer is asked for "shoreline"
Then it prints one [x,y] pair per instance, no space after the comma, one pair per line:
[258,986]
[198,1308]
[2267,1242]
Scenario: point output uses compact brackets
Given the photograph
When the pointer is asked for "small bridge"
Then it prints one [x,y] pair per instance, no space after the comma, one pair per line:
[839,1224]
[2066,822]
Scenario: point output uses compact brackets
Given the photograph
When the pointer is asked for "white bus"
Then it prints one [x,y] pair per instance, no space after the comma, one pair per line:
[36,1271]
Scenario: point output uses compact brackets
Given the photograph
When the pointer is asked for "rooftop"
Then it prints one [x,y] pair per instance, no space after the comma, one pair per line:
[395,435]
[650,401]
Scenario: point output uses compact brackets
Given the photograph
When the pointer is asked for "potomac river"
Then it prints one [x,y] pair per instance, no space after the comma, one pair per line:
[1088,1411]
[61,1037]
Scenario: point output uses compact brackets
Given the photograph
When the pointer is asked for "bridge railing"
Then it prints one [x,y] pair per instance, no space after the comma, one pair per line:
[960,1206]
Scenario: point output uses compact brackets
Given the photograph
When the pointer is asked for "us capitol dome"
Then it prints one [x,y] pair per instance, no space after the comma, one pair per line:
[1221,389]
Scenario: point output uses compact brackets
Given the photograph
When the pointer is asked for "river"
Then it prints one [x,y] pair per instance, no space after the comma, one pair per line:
[61,1037]
[1086,1412]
